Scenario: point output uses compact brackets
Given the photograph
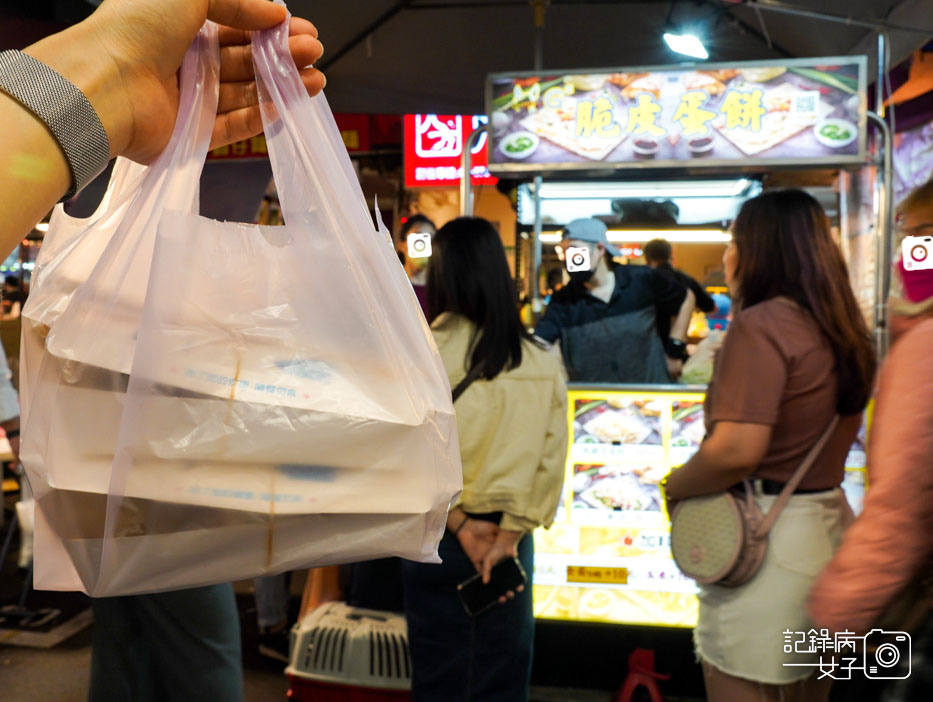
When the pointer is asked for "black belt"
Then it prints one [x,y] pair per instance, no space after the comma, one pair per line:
[773,487]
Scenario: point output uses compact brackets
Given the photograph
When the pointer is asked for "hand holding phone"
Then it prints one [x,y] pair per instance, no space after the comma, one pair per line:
[477,596]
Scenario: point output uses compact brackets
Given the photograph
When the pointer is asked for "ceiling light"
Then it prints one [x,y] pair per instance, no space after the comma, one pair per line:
[550,237]
[667,189]
[42,227]
[686,44]
[676,236]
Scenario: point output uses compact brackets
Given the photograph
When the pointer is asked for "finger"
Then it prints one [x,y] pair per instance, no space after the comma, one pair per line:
[520,588]
[229,36]
[487,569]
[236,125]
[246,14]
[237,96]
[510,594]
[236,62]
[502,600]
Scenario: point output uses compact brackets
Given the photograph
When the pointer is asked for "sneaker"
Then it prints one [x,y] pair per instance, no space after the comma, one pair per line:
[275,645]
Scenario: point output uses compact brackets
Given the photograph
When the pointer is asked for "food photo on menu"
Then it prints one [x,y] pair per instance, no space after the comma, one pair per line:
[617,421]
[761,111]
[621,488]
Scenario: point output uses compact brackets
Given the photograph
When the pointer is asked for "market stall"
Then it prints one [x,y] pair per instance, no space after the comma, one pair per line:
[706,138]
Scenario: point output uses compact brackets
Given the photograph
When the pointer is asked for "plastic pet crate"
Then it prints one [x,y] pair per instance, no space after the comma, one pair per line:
[347,654]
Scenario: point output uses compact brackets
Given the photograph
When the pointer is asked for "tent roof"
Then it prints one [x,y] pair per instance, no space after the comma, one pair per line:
[395,56]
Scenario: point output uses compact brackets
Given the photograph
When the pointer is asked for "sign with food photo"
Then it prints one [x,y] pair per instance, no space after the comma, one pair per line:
[796,111]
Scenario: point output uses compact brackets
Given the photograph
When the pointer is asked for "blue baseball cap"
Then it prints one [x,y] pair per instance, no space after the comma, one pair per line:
[591,231]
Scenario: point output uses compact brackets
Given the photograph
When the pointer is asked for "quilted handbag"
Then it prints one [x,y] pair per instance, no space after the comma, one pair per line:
[722,538]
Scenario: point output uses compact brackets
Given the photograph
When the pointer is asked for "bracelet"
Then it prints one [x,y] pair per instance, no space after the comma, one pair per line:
[64,109]
[12,433]
[460,525]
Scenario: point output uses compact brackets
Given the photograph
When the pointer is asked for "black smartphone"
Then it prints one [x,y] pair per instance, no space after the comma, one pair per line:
[477,597]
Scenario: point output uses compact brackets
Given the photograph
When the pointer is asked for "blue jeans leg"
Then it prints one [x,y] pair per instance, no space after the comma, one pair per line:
[271,600]
[457,657]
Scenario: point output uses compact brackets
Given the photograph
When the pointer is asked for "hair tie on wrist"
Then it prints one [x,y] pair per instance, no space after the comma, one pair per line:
[460,526]
[12,433]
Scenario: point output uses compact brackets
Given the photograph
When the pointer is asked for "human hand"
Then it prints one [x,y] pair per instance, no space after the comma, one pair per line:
[505,546]
[675,367]
[125,58]
[476,539]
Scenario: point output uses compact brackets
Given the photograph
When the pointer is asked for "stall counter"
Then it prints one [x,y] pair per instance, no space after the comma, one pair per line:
[607,556]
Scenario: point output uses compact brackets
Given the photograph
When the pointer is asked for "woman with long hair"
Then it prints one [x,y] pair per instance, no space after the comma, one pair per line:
[797,354]
[512,426]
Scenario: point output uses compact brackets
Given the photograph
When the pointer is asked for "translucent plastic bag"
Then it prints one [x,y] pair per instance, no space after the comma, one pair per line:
[284,406]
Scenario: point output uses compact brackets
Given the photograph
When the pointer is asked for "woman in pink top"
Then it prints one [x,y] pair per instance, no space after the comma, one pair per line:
[890,546]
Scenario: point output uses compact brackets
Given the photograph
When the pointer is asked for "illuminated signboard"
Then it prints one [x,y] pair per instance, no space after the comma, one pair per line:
[805,111]
[607,556]
[434,149]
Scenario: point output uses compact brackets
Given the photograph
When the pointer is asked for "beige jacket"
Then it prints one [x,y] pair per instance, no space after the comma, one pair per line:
[512,429]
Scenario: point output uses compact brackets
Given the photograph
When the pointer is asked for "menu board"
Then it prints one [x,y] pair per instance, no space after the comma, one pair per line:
[802,111]
[607,557]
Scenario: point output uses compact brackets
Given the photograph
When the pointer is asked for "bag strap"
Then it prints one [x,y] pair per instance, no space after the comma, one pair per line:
[473,374]
[771,517]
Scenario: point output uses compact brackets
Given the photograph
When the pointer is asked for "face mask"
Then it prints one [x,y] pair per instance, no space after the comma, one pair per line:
[918,285]
[581,276]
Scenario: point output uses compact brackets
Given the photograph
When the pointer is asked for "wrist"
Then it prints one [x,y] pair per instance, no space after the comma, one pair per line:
[675,349]
[77,55]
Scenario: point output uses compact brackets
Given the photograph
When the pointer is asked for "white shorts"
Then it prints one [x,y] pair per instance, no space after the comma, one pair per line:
[740,630]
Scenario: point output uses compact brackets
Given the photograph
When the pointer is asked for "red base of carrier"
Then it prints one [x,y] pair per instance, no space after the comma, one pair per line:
[303,690]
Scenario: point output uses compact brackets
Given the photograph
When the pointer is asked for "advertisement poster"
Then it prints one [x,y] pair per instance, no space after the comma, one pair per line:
[607,557]
[758,113]
[434,150]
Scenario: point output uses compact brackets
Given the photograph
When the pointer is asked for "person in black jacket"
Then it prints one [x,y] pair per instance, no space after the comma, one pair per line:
[659,255]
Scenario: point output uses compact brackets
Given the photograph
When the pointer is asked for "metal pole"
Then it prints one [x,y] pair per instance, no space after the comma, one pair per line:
[884,237]
[540,7]
[882,74]
[466,180]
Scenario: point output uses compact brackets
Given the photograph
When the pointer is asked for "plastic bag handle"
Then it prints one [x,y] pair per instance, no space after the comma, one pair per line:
[176,172]
[289,117]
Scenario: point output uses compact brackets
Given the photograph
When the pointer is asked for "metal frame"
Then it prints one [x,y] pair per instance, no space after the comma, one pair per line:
[735,165]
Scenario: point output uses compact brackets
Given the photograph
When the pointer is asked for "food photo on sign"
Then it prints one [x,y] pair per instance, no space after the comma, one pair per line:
[809,109]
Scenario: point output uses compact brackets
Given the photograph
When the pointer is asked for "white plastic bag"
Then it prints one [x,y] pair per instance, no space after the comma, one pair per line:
[285,405]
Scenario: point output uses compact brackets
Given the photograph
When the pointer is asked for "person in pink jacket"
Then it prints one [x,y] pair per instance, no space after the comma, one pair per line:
[889,547]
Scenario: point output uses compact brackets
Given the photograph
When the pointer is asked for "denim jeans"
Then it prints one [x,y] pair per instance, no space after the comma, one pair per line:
[167,647]
[456,657]
[271,600]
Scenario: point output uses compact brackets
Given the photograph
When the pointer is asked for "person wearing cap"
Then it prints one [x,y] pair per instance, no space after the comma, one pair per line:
[605,318]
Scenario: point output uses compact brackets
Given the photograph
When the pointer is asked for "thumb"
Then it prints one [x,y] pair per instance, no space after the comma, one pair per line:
[487,567]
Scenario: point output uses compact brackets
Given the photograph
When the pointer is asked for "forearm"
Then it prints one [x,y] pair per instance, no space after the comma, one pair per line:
[705,473]
[33,171]
[681,323]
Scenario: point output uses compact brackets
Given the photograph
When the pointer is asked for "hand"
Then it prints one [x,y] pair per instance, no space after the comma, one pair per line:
[476,539]
[136,48]
[505,546]
[675,367]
